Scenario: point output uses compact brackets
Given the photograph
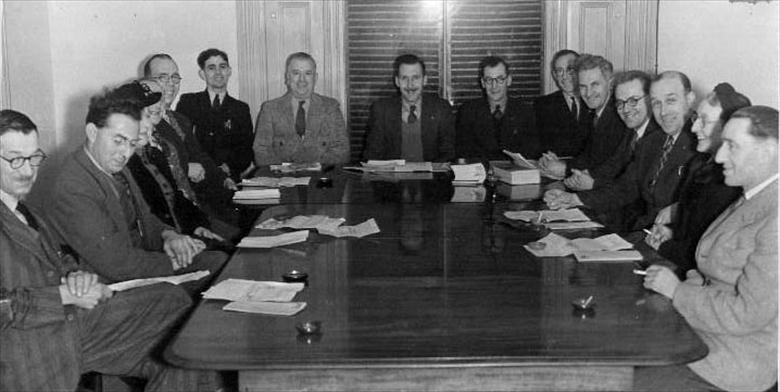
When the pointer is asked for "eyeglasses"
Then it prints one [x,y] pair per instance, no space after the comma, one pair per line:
[567,70]
[165,78]
[17,162]
[631,102]
[695,117]
[494,81]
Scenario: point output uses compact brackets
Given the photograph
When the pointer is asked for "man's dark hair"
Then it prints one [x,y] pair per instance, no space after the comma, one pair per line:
[559,54]
[686,83]
[209,53]
[148,63]
[11,120]
[491,61]
[408,59]
[102,106]
[763,121]
[628,76]
[298,56]
[590,61]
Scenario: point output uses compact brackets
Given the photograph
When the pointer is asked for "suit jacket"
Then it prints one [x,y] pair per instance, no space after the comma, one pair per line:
[325,141]
[476,137]
[225,134]
[437,126]
[617,163]
[40,348]
[558,129]
[604,141]
[87,215]
[736,314]
[635,183]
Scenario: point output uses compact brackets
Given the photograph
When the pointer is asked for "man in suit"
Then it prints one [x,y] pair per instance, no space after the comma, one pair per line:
[99,211]
[301,126]
[594,77]
[731,300]
[654,174]
[414,126]
[57,322]
[496,122]
[222,124]
[562,119]
[213,188]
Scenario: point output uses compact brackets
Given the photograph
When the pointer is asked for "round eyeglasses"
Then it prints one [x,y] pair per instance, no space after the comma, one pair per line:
[17,162]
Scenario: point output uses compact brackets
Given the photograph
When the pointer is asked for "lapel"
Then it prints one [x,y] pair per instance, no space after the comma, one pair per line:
[314,113]
[26,237]
[285,110]
[395,125]
[681,152]
[731,220]
[203,102]
[428,130]
[107,188]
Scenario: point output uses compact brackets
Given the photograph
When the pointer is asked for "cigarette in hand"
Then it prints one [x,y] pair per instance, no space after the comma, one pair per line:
[640,272]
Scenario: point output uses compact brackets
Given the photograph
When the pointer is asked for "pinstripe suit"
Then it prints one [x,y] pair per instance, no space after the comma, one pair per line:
[46,346]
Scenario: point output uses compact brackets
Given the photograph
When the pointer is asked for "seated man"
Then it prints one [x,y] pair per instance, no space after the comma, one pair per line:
[414,126]
[653,176]
[594,75]
[222,124]
[301,126]
[489,125]
[562,119]
[57,322]
[99,211]
[731,300]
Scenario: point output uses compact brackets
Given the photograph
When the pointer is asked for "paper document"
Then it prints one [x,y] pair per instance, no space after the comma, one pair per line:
[607,242]
[366,228]
[556,245]
[388,162]
[302,222]
[396,166]
[474,173]
[288,167]
[573,225]
[519,158]
[274,182]
[273,308]
[608,256]
[274,240]
[174,279]
[243,290]
[542,216]
[252,194]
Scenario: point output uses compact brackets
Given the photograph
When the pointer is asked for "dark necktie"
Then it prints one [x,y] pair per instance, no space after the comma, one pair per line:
[300,119]
[497,113]
[662,161]
[412,115]
[634,139]
[573,108]
[595,118]
[216,102]
[27,216]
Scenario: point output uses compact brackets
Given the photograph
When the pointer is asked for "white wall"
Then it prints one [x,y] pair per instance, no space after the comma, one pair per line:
[719,41]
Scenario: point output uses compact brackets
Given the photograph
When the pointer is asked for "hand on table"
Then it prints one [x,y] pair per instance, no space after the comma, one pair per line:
[662,280]
[664,216]
[196,172]
[206,233]
[551,166]
[658,235]
[181,248]
[557,199]
[580,180]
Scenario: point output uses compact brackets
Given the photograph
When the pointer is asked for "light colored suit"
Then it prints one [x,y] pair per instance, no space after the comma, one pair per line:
[736,314]
[325,140]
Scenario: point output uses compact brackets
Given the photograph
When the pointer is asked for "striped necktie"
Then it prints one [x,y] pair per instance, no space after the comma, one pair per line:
[667,148]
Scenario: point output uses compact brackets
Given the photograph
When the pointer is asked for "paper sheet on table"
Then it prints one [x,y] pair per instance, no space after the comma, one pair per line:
[556,245]
[255,194]
[397,166]
[288,167]
[366,228]
[519,158]
[573,225]
[468,194]
[174,279]
[273,308]
[617,256]
[275,182]
[244,290]
[474,173]
[387,162]
[302,222]
[274,240]
[569,215]
[607,242]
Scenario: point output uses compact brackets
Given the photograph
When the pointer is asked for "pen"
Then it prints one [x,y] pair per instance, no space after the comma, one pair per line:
[640,272]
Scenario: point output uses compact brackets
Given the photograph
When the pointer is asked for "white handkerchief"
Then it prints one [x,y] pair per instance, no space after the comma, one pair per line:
[273,308]
[274,240]
[252,290]
[174,279]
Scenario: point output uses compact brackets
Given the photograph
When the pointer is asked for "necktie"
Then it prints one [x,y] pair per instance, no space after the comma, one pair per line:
[634,139]
[27,216]
[128,206]
[497,113]
[573,108]
[662,161]
[412,116]
[216,102]
[300,119]
[595,118]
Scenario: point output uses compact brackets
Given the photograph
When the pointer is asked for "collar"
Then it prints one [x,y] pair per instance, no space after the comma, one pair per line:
[294,102]
[418,106]
[94,162]
[598,114]
[642,128]
[758,188]
[502,103]
[221,96]
[10,201]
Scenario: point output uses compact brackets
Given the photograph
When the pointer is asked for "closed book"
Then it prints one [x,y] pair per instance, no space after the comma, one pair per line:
[515,175]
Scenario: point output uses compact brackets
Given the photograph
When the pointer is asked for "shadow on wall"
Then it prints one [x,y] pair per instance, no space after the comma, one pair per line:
[70,136]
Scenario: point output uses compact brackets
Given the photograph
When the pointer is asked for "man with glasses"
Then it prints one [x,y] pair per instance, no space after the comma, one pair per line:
[222,124]
[487,126]
[413,126]
[562,119]
[213,187]
[56,321]
[100,212]
[650,181]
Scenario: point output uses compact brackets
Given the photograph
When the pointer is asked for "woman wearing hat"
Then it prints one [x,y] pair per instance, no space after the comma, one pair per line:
[703,195]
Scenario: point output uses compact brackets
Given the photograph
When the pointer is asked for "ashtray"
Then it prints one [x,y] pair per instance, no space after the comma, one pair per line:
[309,327]
[324,182]
[293,276]
[583,303]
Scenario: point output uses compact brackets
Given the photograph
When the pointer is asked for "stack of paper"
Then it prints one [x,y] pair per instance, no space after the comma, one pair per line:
[257,297]
[366,228]
[302,222]
[174,279]
[288,167]
[274,182]
[515,175]
[610,247]
[257,194]
[572,218]
[274,240]
[468,174]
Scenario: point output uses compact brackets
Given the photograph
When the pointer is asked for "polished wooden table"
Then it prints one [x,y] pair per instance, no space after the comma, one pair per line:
[445,298]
